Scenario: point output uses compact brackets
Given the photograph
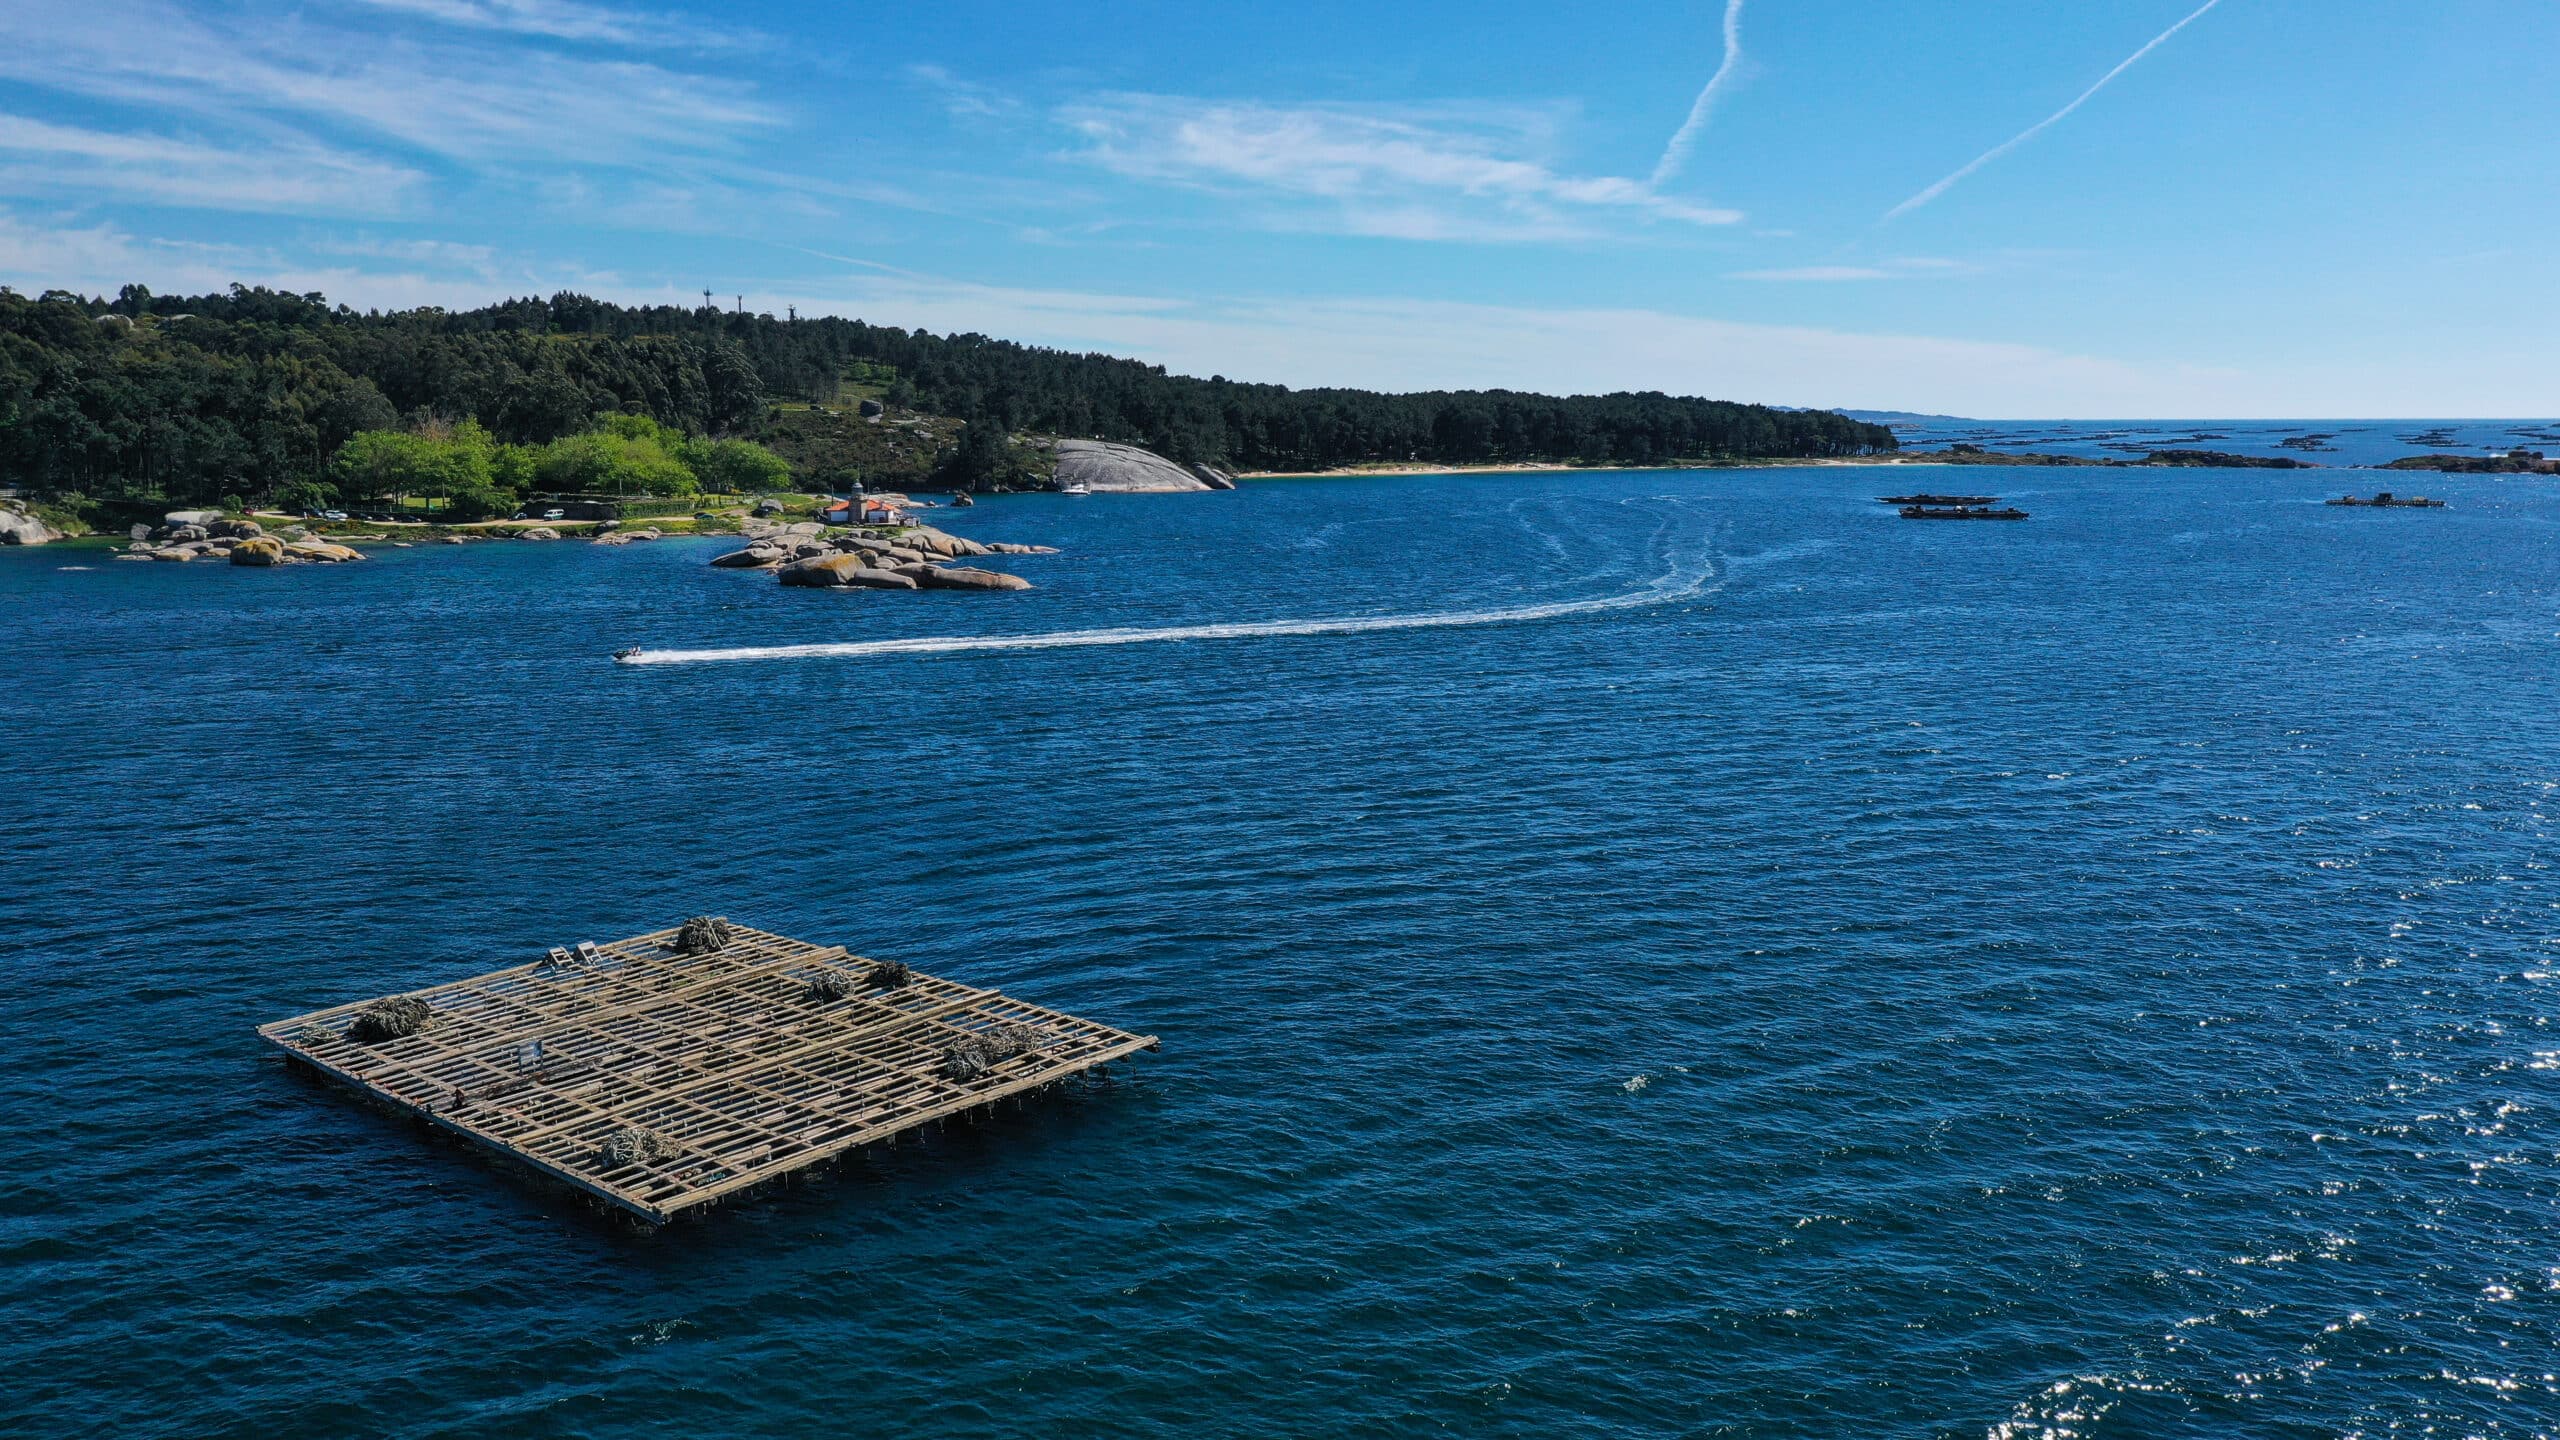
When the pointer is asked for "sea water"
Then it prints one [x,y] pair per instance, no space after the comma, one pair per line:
[1637,954]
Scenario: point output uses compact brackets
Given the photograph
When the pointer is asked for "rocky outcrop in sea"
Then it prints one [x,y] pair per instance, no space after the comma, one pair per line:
[809,554]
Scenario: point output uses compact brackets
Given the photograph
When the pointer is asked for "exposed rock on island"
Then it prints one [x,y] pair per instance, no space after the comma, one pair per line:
[909,558]
[1101,465]
[19,527]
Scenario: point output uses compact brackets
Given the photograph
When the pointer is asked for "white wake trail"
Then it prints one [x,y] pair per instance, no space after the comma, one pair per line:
[1665,591]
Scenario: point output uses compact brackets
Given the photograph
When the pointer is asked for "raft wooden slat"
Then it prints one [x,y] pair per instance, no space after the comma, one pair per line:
[722,1055]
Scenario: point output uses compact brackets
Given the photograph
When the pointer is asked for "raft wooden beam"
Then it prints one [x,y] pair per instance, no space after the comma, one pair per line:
[726,1060]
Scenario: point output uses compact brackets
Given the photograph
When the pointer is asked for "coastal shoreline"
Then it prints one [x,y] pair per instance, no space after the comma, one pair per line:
[1551,467]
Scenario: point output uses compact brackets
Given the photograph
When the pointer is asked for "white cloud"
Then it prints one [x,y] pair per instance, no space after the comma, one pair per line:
[568,20]
[1897,269]
[1816,273]
[442,254]
[38,157]
[964,99]
[99,259]
[1442,172]
[450,99]
[1415,344]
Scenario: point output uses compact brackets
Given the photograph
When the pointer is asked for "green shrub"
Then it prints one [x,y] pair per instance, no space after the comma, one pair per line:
[68,512]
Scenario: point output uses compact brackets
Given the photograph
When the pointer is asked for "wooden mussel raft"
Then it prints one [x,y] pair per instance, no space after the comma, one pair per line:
[665,1072]
[1936,499]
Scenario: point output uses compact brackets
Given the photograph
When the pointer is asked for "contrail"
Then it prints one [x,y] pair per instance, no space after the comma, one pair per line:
[1676,154]
[2032,131]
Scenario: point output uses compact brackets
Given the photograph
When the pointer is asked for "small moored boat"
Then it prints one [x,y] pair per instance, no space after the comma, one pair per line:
[1961,512]
[1937,499]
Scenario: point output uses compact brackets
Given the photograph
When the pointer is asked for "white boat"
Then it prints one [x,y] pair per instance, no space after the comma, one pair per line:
[1078,488]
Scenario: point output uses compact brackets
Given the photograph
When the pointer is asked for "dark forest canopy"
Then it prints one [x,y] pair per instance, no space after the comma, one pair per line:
[249,392]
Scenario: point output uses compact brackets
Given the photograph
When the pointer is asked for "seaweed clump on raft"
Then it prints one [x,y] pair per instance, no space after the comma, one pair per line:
[888,974]
[829,985]
[703,934]
[629,1144]
[971,1056]
[397,1018]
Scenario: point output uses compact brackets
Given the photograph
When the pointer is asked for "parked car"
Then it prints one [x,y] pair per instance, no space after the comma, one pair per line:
[555,513]
[333,514]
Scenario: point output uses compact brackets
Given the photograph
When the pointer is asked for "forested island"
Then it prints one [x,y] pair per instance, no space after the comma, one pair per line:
[257,395]
[2514,462]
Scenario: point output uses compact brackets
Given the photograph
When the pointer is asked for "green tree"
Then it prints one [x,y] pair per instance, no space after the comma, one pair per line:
[438,461]
[631,455]
[308,493]
[735,467]
[511,468]
[980,459]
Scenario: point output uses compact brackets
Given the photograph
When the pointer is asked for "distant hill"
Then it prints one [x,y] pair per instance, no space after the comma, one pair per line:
[1905,417]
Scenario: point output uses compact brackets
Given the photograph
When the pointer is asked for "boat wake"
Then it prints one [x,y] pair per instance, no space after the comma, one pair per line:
[1681,581]
[1665,591]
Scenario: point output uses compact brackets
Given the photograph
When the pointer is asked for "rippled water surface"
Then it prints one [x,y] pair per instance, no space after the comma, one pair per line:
[1695,955]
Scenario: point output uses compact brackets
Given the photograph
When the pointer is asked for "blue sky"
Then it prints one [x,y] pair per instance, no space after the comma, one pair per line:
[2281,207]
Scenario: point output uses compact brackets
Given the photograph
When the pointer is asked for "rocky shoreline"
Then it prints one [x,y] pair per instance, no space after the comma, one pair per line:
[188,535]
[902,555]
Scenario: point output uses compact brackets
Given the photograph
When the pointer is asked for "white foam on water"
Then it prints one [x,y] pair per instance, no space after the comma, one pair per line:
[1672,588]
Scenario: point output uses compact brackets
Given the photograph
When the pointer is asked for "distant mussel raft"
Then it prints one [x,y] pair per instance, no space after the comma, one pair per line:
[1952,507]
[2385,500]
